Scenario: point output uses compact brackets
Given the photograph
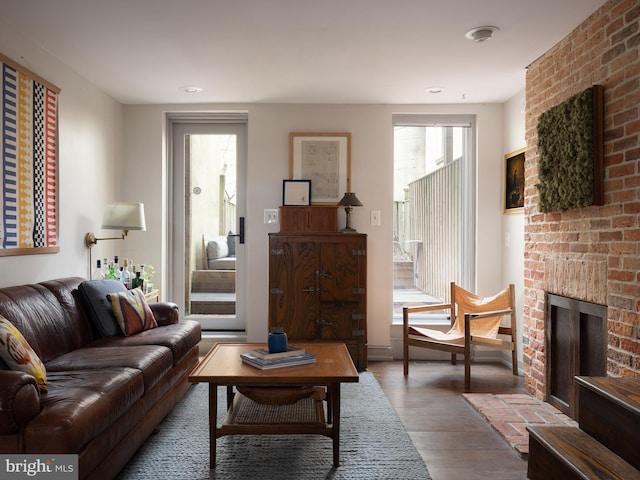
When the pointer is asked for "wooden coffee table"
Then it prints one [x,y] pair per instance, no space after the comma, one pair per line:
[222,366]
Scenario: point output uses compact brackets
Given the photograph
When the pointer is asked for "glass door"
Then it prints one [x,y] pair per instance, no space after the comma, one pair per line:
[208,222]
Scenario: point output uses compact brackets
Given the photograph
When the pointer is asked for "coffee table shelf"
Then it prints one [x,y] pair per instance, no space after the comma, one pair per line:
[249,417]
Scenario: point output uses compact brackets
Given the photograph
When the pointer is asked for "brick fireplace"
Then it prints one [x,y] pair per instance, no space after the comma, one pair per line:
[590,254]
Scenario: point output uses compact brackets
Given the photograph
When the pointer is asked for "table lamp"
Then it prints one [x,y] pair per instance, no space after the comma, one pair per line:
[348,201]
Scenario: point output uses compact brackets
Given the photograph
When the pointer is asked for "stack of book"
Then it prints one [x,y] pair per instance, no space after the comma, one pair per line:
[262,359]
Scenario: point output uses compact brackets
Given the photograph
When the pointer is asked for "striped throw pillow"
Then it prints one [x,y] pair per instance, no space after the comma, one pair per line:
[132,311]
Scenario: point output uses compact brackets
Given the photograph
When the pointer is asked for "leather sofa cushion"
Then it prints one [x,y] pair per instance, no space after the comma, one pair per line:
[79,406]
[152,361]
[48,316]
[94,296]
[180,338]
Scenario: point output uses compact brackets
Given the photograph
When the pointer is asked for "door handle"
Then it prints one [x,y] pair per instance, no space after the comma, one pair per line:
[321,274]
[323,322]
[240,235]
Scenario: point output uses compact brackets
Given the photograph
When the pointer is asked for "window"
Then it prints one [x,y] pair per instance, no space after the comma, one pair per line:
[434,209]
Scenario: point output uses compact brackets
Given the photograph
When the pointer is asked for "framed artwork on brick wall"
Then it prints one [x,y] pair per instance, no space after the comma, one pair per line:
[514,181]
[29,162]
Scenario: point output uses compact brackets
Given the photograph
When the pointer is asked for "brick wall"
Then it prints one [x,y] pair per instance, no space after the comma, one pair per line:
[591,253]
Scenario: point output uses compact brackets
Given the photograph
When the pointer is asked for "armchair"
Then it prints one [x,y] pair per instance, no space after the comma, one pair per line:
[475,320]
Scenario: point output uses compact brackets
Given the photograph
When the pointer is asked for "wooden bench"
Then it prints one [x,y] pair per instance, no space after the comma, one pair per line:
[609,411]
[604,445]
[567,453]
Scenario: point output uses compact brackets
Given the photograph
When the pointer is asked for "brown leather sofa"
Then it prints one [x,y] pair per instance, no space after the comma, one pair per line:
[106,395]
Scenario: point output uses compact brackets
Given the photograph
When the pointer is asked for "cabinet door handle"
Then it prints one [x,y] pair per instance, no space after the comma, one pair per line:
[323,322]
[321,274]
[311,290]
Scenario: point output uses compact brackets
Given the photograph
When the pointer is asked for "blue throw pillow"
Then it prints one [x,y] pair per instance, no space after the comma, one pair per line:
[94,295]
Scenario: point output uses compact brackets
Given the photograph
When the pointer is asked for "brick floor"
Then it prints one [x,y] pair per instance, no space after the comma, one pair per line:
[510,414]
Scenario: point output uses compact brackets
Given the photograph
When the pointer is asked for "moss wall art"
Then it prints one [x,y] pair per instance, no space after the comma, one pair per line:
[570,139]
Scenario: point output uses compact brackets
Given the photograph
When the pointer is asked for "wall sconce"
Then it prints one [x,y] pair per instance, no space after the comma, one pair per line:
[123,216]
[348,201]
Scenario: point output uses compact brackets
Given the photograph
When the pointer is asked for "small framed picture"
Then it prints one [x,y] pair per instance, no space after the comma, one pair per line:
[514,181]
[296,192]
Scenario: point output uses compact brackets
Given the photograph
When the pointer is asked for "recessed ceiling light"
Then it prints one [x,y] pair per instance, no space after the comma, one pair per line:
[434,89]
[481,34]
[192,89]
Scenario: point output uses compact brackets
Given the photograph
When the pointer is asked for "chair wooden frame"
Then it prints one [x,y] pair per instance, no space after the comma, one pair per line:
[463,345]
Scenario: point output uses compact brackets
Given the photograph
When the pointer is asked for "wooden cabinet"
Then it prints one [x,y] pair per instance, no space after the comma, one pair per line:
[317,289]
[309,219]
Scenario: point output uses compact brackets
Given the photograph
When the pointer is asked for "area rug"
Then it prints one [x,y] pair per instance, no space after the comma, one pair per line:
[373,444]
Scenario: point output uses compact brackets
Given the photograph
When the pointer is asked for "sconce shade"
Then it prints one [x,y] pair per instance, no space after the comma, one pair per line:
[350,200]
[124,216]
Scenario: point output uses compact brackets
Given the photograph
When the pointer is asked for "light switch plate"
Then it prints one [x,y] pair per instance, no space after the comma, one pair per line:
[271,215]
[375,218]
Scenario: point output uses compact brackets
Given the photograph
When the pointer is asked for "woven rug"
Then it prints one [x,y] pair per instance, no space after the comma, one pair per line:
[373,444]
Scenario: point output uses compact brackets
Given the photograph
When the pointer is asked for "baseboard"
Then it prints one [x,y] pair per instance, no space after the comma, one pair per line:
[210,338]
[379,353]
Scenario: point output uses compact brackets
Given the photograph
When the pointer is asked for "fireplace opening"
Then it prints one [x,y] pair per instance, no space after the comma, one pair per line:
[575,344]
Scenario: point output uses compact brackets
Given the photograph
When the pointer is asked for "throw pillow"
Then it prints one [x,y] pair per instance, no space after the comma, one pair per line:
[94,296]
[18,354]
[217,248]
[132,311]
[231,243]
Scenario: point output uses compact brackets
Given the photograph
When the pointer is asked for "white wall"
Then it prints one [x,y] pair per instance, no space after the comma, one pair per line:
[110,152]
[90,152]
[513,224]
[268,164]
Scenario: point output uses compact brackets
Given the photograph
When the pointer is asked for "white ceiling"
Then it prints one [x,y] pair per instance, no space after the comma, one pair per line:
[298,51]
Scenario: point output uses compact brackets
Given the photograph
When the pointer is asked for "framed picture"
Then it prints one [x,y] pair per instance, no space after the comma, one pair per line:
[296,192]
[28,162]
[514,181]
[325,159]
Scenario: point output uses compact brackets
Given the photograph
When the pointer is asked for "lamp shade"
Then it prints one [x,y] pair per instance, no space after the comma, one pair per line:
[350,200]
[124,216]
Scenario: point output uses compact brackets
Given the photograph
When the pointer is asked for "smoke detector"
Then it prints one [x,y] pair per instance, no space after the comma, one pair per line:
[481,34]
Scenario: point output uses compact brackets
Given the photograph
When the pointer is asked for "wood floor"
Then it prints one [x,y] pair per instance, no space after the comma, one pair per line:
[455,442]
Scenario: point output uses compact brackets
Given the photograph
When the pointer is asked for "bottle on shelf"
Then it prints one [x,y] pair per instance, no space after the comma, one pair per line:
[98,273]
[111,274]
[143,275]
[116,267]
[105,268]
[138,281]
[127,275]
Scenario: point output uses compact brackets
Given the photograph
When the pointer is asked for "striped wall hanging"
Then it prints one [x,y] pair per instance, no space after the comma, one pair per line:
[29,162]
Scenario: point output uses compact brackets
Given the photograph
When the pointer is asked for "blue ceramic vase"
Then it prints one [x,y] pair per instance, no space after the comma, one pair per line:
[277,342]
